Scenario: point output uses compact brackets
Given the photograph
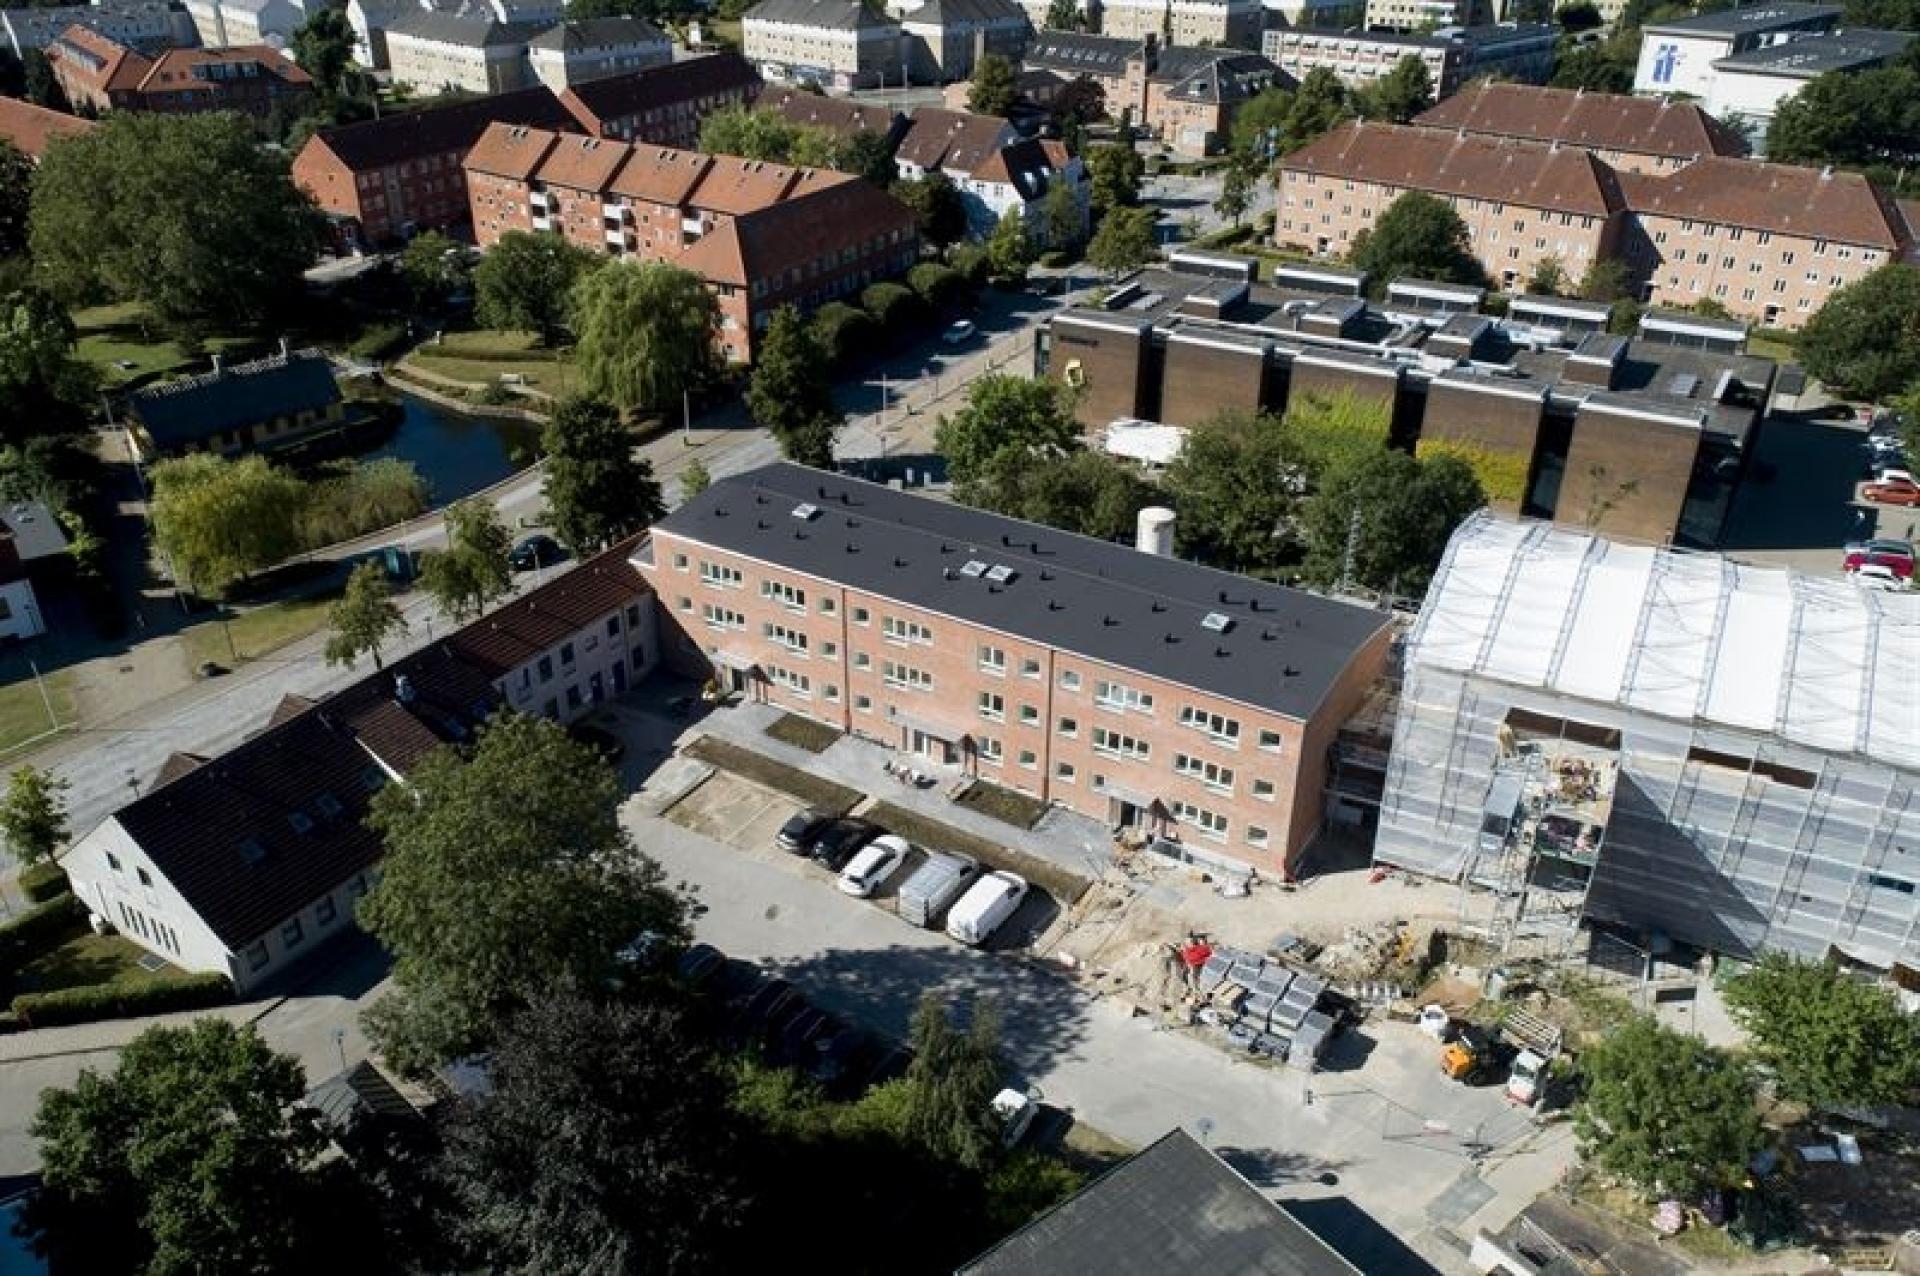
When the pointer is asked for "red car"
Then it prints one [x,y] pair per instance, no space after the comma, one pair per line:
[1900,565]
[1895,487]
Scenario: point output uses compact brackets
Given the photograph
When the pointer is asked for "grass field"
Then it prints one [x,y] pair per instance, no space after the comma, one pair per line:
[112,335]
[483,356]
[23,712]
[88,959]
[257,632]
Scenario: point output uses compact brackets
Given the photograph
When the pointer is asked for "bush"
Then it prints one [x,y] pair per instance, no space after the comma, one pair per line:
[844,330]
[43,882]
[120,1000]
[39,928]
[970,261]
[378,342]
[1502,475]
[939,286]
[1057,259]
[893,307]
[356,498]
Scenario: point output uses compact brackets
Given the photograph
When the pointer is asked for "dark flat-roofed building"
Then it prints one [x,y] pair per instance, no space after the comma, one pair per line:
[1138,689]
[270,403]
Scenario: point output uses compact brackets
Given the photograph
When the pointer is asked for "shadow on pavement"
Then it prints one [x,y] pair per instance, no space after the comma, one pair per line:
[1348,1052]
[1354,1234]
[1800,488]
[348,967]
[1271,1167]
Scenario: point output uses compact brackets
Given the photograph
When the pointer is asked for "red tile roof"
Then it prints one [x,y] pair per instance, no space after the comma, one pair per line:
[1532,174]
[735,186]
[119,67]
[1601,121]
[581,163]
[173,69]
[1779,198]
[511,150]
[501,642]
[661,175]
[816,223]
[30,128]
[412,135]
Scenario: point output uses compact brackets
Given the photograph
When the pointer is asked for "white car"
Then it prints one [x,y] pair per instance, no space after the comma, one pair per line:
[1014,1113]
[875,863]
[1876,576]
[958,331]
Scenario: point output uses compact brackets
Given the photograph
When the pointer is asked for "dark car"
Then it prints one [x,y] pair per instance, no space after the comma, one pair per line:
[536,551]
[798,834]
[841,840]
[600,740]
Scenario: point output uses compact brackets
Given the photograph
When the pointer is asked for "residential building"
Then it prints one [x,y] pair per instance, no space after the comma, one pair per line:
[1034,93]
[1678,56]
[665,104]
[371,18]
[1118,66]
[31,129]
[762,235]
[840,116]
[1185,96]
[1228,23]
[938,140]
[1318,15]
[1631,134]
[1038,11]
[837,44]
[270,403]
[1149,693]
[31,543]
[1649,435]
[384,180]
[575,52]
[1018,178]
[945,36]
[1748,88]
[245,863]
[1521,53]
[103,75]
[1699,753]
[1174,1206]
[222,23]
[1429,15]
[147,25]
[431,52]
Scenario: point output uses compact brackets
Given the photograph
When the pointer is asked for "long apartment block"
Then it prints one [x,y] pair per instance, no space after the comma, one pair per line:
[762,235]
[1134,688]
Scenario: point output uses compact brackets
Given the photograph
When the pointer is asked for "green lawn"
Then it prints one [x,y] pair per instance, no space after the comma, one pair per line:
[112,335]
[257,632]
[1769,348]
[23,711]
[89,959]
[482,356]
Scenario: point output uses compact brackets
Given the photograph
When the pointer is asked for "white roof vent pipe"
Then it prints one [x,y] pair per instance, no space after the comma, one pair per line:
[1153,531]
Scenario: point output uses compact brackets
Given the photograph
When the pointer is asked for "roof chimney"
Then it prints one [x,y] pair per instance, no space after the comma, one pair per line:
[1153,531]
[283,348]
[217,369]
[403,688]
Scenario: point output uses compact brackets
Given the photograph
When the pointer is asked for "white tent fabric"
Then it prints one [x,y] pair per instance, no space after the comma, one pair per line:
[1821,662]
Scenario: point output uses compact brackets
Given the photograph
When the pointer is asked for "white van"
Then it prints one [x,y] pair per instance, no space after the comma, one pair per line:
[989,902]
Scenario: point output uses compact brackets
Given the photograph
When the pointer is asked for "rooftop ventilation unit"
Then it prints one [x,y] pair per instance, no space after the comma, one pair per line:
[974,569]
[1000,573]
[1216,622]
[805,511]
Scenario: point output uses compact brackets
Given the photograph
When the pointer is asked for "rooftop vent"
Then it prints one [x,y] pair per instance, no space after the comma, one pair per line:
[1000,573]
[805,510]
[973,569]
[1216,622]
[301,821]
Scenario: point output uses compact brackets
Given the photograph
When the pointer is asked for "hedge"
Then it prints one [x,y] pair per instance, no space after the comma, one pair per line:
[937,285]
[970,261]
[43,882]
[379,341]
[846,331]
[120,1000]
[1502,475]
[39,928]
[893,307]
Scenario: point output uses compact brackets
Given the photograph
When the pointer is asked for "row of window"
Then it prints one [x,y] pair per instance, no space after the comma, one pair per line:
[294,931]
[154,931]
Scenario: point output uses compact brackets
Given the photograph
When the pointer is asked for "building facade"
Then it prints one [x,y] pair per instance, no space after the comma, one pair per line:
[270,403]
[1147,693]
[838,44]
[1233,24]
[1748,88]
[223,23]
[147,25]
[1678,56]
[103,75]
[1630,134]
[432,52]
[1517,53]
[575,52]
[944,37]
[1429,15]
[664,104]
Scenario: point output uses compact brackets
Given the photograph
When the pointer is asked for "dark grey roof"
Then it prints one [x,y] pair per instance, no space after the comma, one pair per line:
[835,15]
[347,1098]
[409,135]
[596,33]
[1753,17]
[1815,55]
[468,32]
[1174,1208]
[36,532]
[1073,54]
[964,12]
[181,412]
[1223,76]
[1109,603]
[713,75]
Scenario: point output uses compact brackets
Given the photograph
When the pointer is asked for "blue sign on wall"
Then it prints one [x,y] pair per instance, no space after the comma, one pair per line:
[1665,62]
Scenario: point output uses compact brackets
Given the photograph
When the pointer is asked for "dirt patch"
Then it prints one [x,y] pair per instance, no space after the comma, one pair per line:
[1863,1206]
[1063,885]
[803,733]
[835,799]
[1005,805]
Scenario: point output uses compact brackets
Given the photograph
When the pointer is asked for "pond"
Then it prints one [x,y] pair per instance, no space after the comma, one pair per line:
[456,453]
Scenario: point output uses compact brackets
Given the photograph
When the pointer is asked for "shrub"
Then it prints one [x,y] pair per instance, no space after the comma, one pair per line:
[355,498]
[1502,475]
[43,882]
[970,261]
[39,928]
[1056,259]
[120,1000]
[379,341]
[893,307]
[844,330]
[939,286]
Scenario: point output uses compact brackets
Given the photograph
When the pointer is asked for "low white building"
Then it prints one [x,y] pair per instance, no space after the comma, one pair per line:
[431,52]
[1020,176]
[244,863]
[575,52]
[30,537]
[1747,88]
[1678,56]
[225,23]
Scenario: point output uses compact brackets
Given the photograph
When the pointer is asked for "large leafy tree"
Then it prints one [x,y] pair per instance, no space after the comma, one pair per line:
[365,617]
[39,85]
[1004,415]
[1417,236]
[472,571]
[951,1083]
[1114,170]
[1859,119]
[1382,522]
[1829,1039]
[507,873]
[791,392]
[993,91]
[1063,15]
[1080,102]
[605,1145]
[1866,338]
[644,334]
[44,388]
[433,265]
[1126,239]
[597,490]
[1400,94]
[1237,485]
[938,212]
[1606,67]
[323,46]
[188,1157]
[218,521]
[867,154]
[16,190]
[526,280]
[186,214]
[1666,1111]
[1081,491]
[1236,189]
[1009,248]
[1066,220]
[33,814]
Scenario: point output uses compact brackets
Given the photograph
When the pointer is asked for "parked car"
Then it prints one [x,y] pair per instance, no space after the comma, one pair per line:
[958,332]
[1894,487]
[987,904]
[699,964]
[1900,565]
[874,864]
[802,828]
[1880,545]
[939,881]
[599,739]
[841,839]
[1013,1111]
[538,550]
[1874,576]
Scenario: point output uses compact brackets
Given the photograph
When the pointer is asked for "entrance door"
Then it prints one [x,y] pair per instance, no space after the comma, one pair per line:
[596,688]
[620,679]
[1130,816]
[933,748]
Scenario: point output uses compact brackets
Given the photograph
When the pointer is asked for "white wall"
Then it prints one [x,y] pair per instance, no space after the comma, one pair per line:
[20,611]
[567,691]
[1753,98]
[190,945]
[1678,63]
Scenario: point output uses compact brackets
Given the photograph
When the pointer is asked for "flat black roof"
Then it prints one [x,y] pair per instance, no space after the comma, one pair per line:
[1282,650]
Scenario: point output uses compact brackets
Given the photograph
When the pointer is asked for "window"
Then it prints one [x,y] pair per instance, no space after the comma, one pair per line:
[796,683]
[1029,715]
[1114,744]
[1256,836]
[292,933]
[679,562]
[1263,790]
[1118,695]
[1069,729]
[1211,774]
[1063,772]
[990,750]
[1029,759]
[830,693]
[860,616]
[1270,741]
[863,704]
[788,596]
[145,878]
[566,654]
[113,862]
[573,697]
[1222,729]
[1029,668]
[828,650]
[1069,680]
[324,911]
[827,607]
[993,707]
[257,955]
[993,660]
[781,636]
[718,617]
[613,626]
[720,576]
[861,660]
[633,617]
[902,632]
[906,676]
[546,668]
[1212,825]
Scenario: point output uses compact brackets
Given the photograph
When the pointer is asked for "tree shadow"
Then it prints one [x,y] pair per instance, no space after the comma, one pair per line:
[1272,1167]
[1348,1052]
[1800,488]
[347,966]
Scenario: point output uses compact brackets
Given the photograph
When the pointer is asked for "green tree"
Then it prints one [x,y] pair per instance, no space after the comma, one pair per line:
[1857,119]
[1114,170]
[363,618]
[44,388]
[1574,18]
[1866,338]
[525,282]
[1005,414]
[597,490]
[1126,240]
[1400,94]
[41,88]
[507,874]
[1382,522]
[1547,278]
[604,1146]
[1417,236]
[1009,250]
[1606,279]
[867,154]
[1830,1040]
[472,571]
[750,134]
[937,210]
[16,191]
[218,521]
[1079,491]
[186,214]
[951,1083]
[1062,15]
[1666,1111]
[1065,220]
[434,267]
[1257,126]
[791,392]
[33,814]
[644,334]
[1236,190]
[1080,102]
[1236,485]
[694,479]
[323,46]
[992,90]
[1597,68]
[1321,102]
[190,1156]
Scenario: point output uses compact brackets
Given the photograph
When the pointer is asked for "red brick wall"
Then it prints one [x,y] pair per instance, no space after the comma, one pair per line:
[499,205]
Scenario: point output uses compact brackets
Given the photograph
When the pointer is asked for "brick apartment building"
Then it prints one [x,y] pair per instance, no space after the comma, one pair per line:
[762,235]
[386,179]
[1136,689]
[31,129]
[102,74]
[1632,134]
[663,105]
[1185,96]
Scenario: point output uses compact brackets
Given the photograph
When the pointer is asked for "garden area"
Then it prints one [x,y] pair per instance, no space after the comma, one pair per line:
[483,359]
[130,349]
[55,970]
